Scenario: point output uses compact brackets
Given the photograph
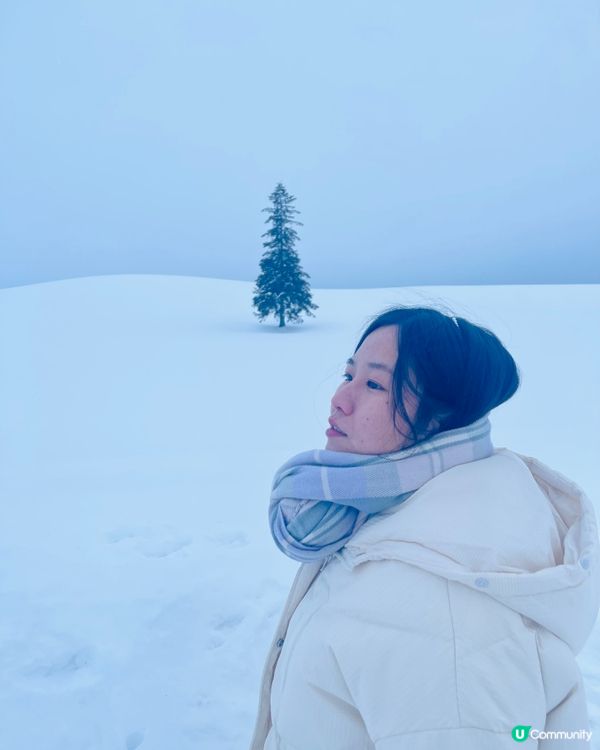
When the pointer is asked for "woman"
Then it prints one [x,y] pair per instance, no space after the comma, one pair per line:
[446,585]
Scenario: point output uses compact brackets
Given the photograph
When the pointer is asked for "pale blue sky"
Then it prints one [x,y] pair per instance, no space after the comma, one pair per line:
[426,143]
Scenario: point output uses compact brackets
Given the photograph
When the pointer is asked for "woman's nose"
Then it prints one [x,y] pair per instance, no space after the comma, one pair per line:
[342,400]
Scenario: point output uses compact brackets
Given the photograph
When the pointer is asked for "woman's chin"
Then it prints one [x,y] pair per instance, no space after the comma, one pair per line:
[334,444]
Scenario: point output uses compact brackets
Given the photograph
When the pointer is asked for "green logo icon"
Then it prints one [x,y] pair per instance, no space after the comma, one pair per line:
[520,733]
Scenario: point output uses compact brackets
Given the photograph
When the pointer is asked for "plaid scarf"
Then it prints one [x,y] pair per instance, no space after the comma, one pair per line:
[320,498]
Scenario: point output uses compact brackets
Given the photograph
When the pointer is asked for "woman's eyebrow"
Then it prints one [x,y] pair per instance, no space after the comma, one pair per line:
[373,365]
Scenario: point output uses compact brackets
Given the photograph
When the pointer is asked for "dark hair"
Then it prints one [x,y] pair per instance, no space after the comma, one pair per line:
[462,370]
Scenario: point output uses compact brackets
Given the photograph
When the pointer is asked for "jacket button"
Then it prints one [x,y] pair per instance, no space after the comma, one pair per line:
[482,583]
[280,642]
[585,563]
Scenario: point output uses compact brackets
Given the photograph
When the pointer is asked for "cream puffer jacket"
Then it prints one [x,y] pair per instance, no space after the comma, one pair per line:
[444,623]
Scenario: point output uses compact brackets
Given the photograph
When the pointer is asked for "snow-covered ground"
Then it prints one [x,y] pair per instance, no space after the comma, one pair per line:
[142,419]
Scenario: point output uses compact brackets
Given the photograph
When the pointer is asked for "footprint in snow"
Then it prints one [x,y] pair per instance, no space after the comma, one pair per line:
[149,541]
[229,538]
[53,661]
[134,740]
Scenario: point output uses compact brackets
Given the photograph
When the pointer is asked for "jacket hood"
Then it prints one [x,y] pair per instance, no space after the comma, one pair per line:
[506,525]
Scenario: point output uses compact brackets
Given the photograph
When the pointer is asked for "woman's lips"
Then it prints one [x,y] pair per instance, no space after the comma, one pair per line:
[330,432]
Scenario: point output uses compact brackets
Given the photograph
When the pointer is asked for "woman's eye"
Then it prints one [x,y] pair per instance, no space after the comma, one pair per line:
[369,382]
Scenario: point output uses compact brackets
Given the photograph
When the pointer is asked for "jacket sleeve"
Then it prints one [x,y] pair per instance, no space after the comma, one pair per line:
[432,664]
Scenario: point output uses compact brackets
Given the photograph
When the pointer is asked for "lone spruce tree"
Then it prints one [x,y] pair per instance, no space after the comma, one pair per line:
[281,287]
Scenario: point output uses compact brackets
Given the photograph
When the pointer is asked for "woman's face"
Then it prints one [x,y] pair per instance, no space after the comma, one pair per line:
[362,405]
